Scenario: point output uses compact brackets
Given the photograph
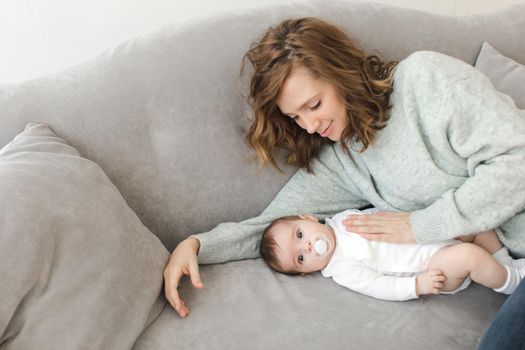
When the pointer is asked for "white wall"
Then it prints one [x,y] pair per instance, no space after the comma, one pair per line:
[38,37]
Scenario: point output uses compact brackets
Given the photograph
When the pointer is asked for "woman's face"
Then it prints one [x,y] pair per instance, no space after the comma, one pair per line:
[314,104]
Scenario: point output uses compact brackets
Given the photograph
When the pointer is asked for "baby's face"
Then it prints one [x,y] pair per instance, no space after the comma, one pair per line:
[304,245]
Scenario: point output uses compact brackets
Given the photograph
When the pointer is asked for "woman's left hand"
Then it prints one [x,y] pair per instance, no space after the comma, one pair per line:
[385,226]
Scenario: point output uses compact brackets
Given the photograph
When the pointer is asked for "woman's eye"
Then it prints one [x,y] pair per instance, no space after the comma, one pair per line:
[299,234]
[316,106]
[294,117]
[300,259]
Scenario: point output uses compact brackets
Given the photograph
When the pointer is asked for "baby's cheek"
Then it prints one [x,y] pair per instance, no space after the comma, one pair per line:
[325,262]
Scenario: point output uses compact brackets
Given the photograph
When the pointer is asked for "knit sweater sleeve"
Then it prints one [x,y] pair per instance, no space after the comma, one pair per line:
[488,133]
[324,192]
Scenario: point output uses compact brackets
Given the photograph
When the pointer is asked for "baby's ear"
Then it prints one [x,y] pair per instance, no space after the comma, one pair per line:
[309,217]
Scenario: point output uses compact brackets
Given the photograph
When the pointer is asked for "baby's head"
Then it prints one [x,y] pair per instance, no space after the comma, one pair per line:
[297,245]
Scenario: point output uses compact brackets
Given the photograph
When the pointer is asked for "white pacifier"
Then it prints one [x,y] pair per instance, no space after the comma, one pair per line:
[321,247]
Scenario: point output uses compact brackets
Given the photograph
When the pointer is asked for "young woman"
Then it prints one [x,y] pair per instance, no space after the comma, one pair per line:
[428,141]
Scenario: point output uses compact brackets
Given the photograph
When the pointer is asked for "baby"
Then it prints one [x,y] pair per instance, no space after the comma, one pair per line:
[301,244]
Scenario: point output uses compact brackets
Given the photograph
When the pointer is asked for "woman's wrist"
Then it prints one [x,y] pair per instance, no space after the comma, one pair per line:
[193,243]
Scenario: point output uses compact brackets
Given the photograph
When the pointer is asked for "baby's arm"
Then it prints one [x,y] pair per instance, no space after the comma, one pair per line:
[362,279]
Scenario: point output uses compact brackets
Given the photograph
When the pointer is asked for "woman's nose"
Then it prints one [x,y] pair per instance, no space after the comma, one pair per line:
[311,125]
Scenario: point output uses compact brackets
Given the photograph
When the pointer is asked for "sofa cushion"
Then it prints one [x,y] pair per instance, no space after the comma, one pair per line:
[78,269]
[245,305]
[507,75]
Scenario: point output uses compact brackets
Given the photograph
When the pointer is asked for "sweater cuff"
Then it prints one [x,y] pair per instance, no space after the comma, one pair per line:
[428,225]
[210,248]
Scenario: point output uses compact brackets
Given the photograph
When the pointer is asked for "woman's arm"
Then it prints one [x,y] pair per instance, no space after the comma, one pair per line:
[325,192]
[488,132]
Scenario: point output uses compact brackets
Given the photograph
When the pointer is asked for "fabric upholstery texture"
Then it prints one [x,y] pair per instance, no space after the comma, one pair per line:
[245,305]
[161,114]
[137,109]
[507,75]
[75,258]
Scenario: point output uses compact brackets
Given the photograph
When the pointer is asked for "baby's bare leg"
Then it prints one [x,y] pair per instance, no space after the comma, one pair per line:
[466,259]
[487,240]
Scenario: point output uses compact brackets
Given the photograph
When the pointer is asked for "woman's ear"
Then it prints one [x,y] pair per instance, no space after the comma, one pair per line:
[309,217]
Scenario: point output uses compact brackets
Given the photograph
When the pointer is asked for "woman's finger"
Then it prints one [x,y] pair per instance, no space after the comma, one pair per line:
[355,225]
[366,219]
[171,283]
[195,275]
[379,237]
[367,229]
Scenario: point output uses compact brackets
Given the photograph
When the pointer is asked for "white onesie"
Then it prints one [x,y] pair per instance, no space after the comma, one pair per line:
[382,270]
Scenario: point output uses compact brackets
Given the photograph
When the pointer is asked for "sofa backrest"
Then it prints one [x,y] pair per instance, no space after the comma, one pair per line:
[162,116]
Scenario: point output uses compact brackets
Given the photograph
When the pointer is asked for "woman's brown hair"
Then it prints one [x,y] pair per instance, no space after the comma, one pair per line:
[364,81]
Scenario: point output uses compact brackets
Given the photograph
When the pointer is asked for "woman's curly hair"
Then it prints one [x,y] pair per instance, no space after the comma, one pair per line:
[363,80]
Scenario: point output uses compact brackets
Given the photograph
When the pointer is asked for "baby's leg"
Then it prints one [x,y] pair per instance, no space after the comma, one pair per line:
[515,268]
[487,240]
[459,261]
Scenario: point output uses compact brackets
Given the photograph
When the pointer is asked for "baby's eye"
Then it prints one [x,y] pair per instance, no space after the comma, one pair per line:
[316,106]
[300,259]
[299,234]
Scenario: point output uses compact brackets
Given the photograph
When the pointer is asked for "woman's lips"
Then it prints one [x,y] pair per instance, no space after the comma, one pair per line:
[327,131]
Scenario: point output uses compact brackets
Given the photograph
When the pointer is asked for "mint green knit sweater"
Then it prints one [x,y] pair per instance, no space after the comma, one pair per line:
[453,154]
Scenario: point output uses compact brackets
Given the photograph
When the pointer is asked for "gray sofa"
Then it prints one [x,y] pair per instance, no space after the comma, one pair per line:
[161,116]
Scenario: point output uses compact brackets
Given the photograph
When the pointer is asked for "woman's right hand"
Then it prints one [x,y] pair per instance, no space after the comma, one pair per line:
[183,261]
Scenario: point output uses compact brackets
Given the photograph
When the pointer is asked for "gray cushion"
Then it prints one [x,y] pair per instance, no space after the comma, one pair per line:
[507,75]
[245,305]
[78,268]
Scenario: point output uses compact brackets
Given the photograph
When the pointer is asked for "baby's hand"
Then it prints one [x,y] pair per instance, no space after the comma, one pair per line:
[429,282]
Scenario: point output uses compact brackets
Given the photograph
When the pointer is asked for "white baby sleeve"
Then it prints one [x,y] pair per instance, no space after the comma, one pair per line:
[363,280]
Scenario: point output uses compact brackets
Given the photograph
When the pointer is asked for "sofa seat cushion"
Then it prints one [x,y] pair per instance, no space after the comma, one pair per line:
[245,305]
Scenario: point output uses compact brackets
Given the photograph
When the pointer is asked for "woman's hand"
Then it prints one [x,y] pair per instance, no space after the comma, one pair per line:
[183,261]
[386,226]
